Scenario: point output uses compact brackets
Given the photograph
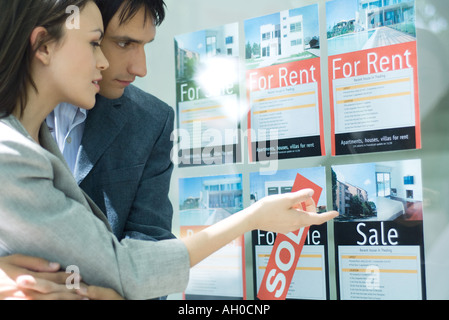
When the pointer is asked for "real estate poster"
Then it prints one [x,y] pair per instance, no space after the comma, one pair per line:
[379,233]
[310,279]
[203,201]
[207,96]
[283,80]
[373,80]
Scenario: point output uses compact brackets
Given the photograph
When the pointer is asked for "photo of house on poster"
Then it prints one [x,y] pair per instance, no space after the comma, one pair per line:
[207,96]
[204,201]
[310,278]
[373,80]
[283,80]
[378,235]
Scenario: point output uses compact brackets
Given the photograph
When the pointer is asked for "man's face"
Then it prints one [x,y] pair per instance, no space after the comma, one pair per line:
[123,46]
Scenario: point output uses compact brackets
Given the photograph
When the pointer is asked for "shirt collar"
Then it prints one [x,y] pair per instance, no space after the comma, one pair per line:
[64,111]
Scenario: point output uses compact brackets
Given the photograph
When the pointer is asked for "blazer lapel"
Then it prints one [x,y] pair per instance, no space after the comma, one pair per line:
[103,124]
[49,144]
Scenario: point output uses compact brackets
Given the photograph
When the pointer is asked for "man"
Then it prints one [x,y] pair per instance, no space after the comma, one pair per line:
[119,152]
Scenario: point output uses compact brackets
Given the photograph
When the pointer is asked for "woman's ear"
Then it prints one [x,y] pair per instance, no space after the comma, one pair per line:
[42,50]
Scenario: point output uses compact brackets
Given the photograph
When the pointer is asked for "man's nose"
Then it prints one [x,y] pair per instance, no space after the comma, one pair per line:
[138,64]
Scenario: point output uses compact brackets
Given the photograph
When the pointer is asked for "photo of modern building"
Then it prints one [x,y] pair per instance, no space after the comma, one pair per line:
[364,24]
[194,48]
[207,200]
[399,14]
[281,37]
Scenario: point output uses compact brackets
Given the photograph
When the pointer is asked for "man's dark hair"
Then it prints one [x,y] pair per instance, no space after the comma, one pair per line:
[153,8]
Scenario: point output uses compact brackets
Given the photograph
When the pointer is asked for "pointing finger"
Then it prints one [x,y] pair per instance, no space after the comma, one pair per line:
[320,218]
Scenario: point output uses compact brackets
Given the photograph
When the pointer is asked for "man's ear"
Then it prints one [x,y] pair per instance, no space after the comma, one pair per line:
[41,48]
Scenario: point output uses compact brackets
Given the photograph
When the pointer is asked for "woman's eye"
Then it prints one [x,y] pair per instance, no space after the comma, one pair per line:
[95,44]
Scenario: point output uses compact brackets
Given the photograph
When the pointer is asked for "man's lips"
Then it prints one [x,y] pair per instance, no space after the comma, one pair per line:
[125,83]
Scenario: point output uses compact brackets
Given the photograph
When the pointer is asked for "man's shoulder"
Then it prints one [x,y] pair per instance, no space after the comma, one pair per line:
[145,102]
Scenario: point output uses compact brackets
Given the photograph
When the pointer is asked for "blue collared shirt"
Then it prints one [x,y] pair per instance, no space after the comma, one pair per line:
[66,123]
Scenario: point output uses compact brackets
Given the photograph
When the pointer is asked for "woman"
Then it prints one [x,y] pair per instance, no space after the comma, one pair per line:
[45,61]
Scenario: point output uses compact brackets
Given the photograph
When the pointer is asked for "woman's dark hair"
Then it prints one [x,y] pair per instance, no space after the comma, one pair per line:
[18,19]
[108,8]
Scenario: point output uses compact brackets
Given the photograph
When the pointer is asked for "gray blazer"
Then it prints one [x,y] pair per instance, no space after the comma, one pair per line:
[44,213]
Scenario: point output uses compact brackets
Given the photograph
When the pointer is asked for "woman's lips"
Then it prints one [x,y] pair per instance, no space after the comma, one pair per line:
[96,84]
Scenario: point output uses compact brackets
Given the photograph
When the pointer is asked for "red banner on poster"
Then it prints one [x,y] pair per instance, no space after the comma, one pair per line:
[374,100]
[286,91]
[286,252]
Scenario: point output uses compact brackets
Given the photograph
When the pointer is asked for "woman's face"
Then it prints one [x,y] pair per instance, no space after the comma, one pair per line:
[77,62]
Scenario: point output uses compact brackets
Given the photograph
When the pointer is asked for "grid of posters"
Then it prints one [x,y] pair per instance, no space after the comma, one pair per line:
[283,81]
[373,106]
[207,95]
[310,279]
[204,201]
[373,78]
[379,232]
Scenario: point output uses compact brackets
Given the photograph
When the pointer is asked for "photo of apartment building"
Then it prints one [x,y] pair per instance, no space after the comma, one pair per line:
[345,193]
[383,191]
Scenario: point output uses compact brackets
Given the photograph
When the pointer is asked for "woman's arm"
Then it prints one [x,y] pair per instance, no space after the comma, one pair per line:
[41,217]
[276,213]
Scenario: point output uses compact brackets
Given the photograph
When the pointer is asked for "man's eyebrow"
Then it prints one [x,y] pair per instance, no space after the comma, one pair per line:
[129,39]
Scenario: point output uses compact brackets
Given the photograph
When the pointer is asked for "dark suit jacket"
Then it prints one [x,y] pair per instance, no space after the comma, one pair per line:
[124,163]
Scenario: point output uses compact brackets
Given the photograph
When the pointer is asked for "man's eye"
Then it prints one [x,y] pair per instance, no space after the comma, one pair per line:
[122,44]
